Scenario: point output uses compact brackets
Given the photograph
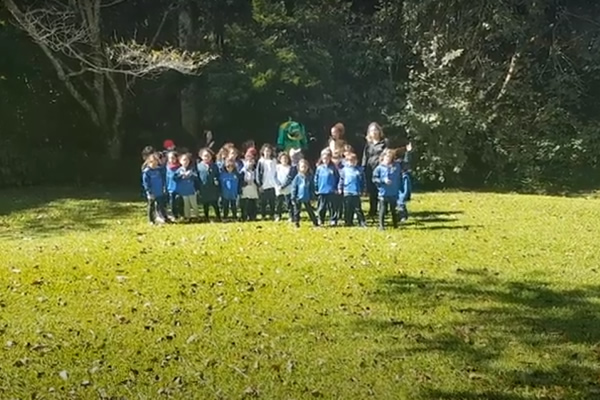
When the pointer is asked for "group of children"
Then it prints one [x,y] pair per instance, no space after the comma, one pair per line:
[175,185]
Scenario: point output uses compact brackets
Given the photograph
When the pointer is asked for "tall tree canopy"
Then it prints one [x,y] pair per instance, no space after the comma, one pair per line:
[490,92]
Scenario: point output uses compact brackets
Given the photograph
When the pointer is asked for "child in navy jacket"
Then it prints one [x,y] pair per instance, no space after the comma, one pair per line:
[174,199]
[154,186]
[388,177]
[208,183]
[230,183]
[326,185]
[185,179]
[352,184]
[302,192]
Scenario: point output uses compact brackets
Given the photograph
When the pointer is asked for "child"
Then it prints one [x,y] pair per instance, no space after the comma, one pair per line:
[387,177]
[302,192]
[266,178]
[208,183]
[326,184]
[229,180]
[406,186]
[352,184]
[348,151]
[283,193]
[336,140]
[154,186]
[146,151]
[185,179]
[174,198]
[249,197]
[337,198]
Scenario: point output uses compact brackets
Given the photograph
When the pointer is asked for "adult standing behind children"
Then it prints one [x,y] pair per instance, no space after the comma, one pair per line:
[374,148]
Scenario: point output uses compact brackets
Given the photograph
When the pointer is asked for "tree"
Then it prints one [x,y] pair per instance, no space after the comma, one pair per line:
[98,68]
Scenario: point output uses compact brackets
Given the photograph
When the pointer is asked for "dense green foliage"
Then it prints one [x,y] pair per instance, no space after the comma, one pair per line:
[479,296]
[492,92]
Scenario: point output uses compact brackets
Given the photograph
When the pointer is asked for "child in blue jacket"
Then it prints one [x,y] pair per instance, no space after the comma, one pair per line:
[174,198]
[387,176]
[406,187]
[326,185]
[302,193]
[352,184]
[185,180]
[154,187]
[230,183]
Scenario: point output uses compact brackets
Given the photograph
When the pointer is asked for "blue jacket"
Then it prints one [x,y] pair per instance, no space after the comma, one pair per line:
[230,184]
[405,188]
[185,186]
[326,179]
[170,172]
[153,181]
[352,181]
[302,188]
[394,174]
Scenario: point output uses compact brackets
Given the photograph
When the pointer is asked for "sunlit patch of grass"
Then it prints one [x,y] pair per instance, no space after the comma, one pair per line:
[479,296]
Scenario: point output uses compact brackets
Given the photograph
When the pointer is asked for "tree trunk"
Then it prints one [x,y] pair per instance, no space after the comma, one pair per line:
[187,41]
[114,146]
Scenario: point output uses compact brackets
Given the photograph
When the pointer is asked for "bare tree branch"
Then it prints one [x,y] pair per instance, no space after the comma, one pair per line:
[509,74]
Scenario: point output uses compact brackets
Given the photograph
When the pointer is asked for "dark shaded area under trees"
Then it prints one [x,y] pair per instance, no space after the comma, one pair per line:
[492,93]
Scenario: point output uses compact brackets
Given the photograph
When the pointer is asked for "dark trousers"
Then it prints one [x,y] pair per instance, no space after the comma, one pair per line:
[403,211]
[373,193]
[297,208]
[284,200]
[249,208]
[353,205]
[326,205]
[337,205]
[227,206]
[385,204]
[267,199]
[176,205]
[157,207]
[215,205]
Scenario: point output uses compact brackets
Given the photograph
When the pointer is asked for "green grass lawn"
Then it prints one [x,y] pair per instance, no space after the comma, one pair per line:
[479,296]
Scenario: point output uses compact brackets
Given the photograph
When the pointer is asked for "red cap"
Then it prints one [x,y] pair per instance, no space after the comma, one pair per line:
[167,144]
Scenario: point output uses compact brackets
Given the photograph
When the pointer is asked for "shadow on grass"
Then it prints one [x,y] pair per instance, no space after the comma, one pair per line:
[508,340]
[46,211]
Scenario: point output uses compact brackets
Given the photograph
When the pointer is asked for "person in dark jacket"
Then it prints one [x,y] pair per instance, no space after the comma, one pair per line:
[302,193]
[376,144]
[208,183]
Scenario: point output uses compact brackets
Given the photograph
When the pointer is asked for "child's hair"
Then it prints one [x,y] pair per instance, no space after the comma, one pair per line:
[351,157]
[265,147]
[187,156]
[303,162]
[230,162]
[348,149]
[339,127]
[326,151]
[146,151]
[151,157]
[206,150]
[285,155]
[387,153]
[172,154]
[376,126]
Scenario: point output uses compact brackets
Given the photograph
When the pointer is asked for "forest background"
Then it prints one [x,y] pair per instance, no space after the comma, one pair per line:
[493,94]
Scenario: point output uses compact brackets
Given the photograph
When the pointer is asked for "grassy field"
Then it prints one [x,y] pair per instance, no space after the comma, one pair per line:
[479,296]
